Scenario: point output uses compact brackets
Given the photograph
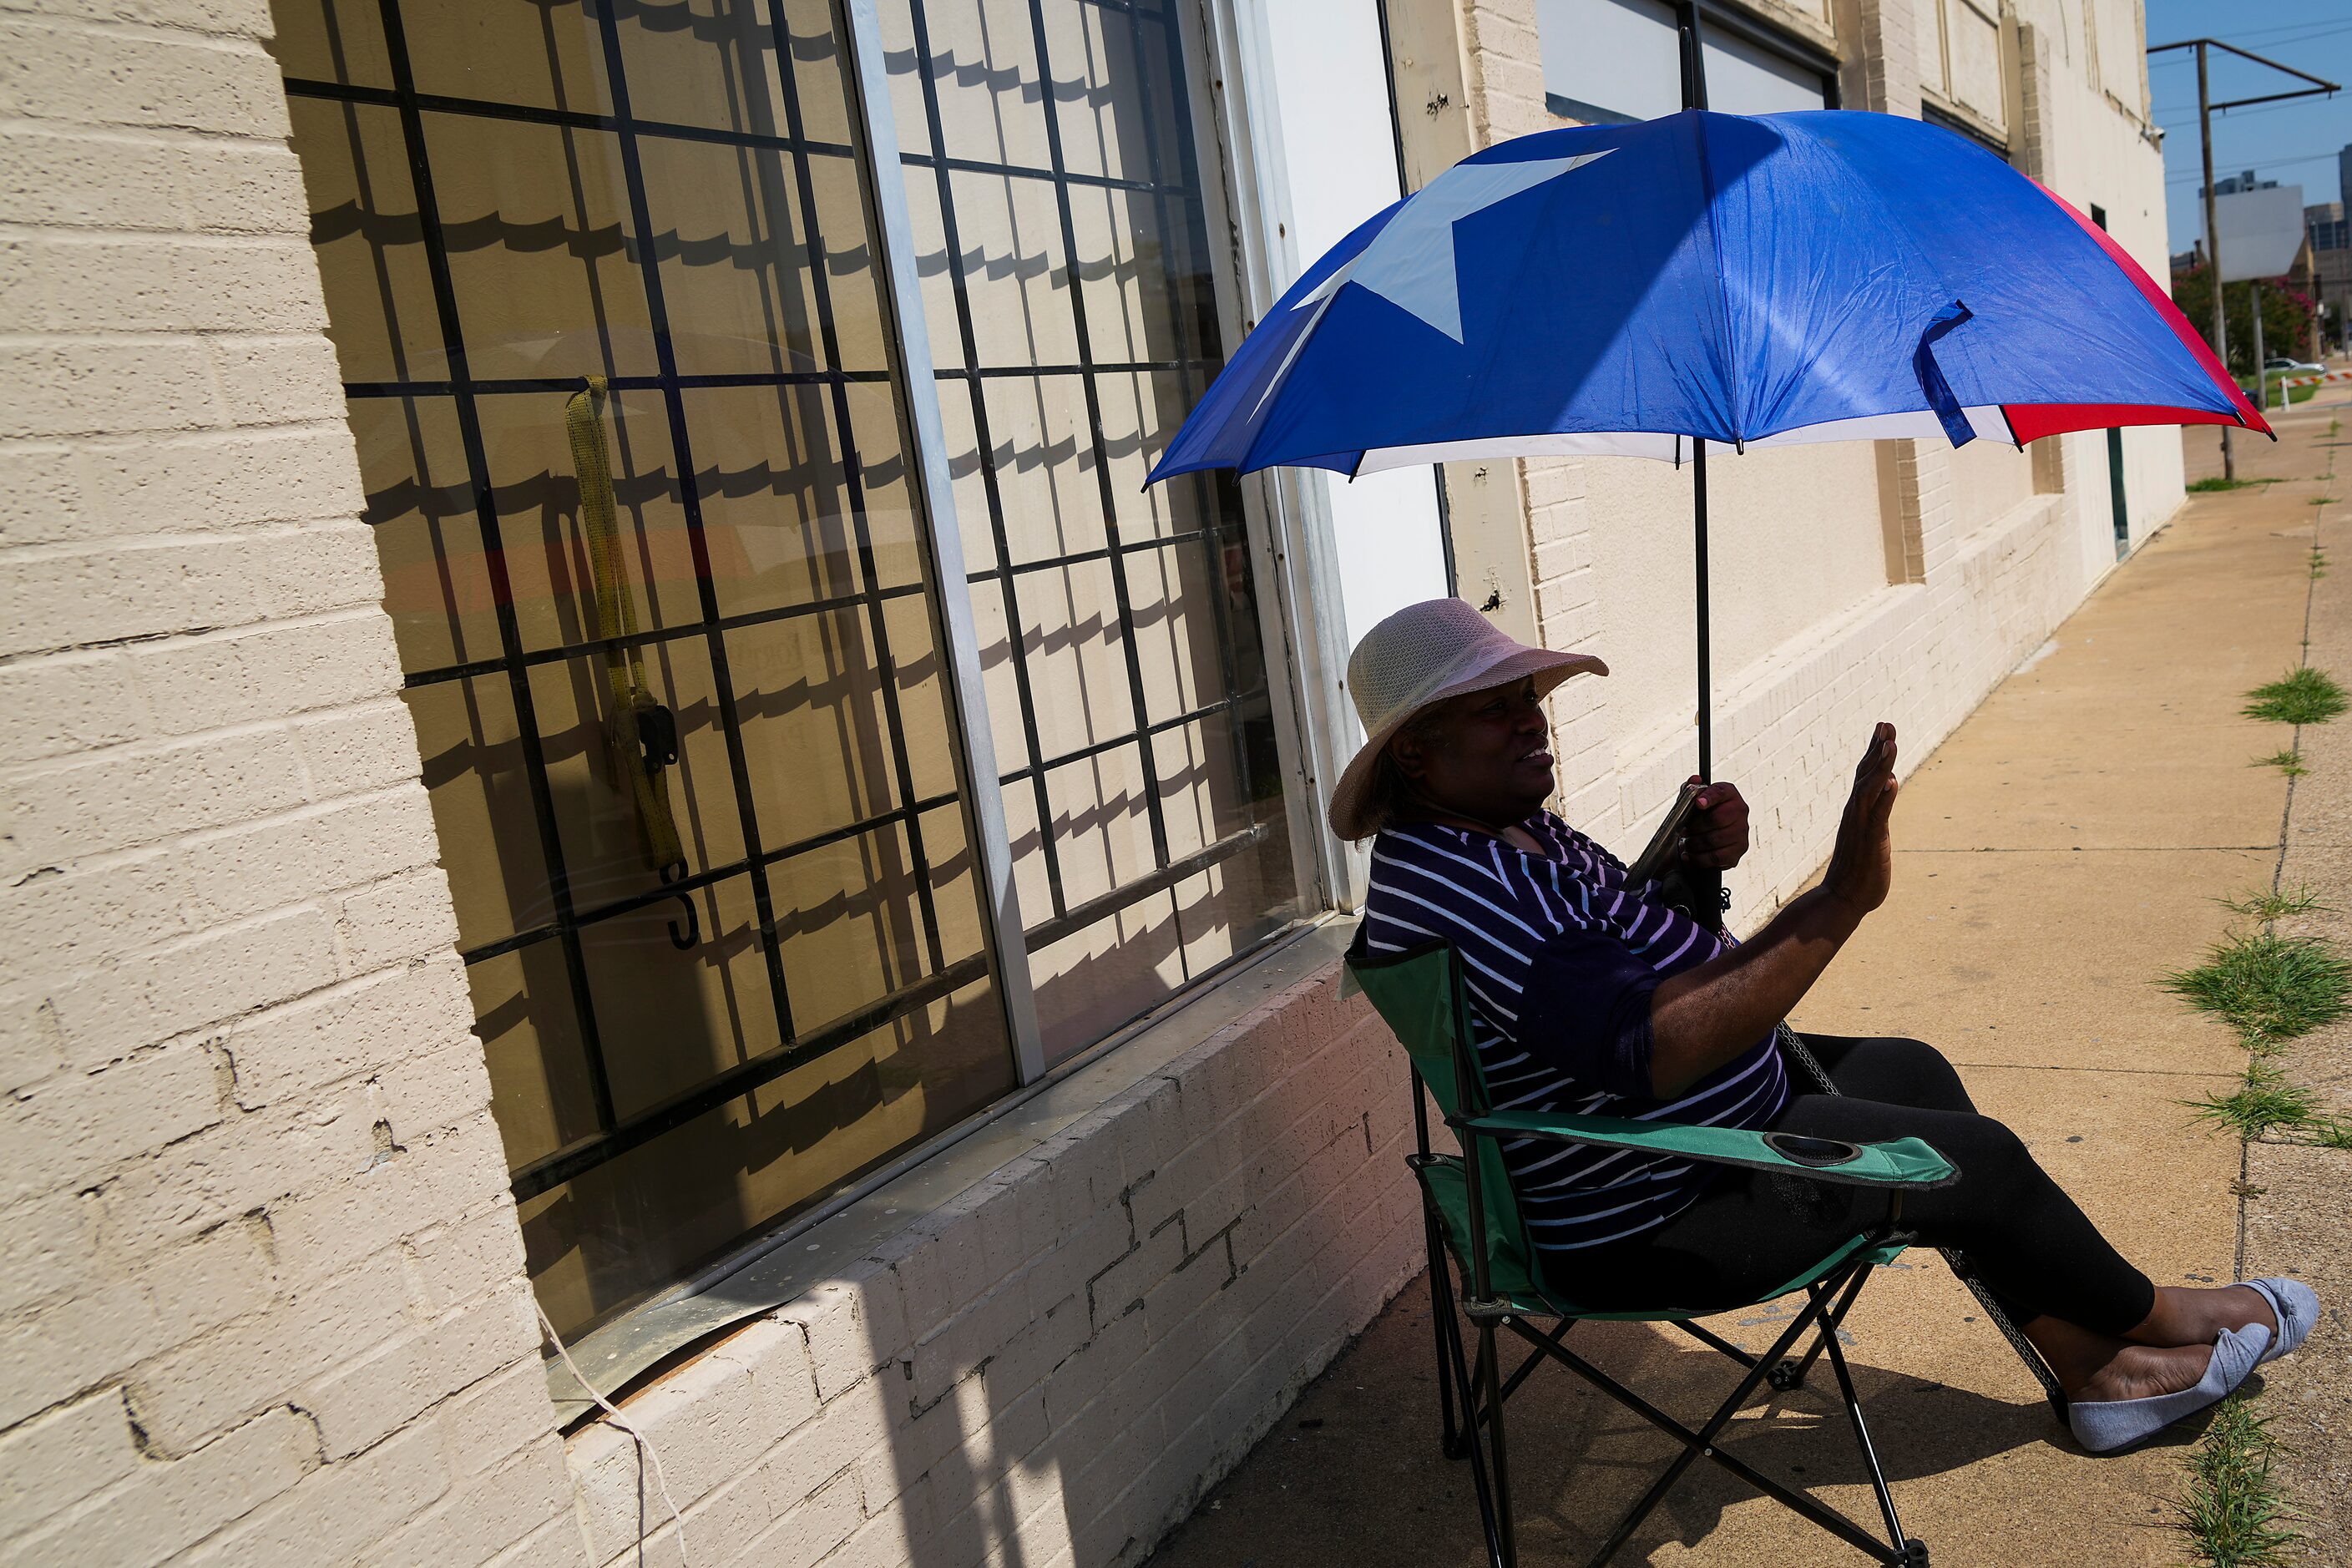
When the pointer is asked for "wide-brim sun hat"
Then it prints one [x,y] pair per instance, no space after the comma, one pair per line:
[1422,654]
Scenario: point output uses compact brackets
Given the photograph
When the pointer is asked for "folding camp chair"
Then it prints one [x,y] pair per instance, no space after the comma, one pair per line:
[1472,1215]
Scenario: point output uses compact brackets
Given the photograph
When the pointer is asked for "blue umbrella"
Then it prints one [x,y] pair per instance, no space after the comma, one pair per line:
[1752,281]
[1647,289]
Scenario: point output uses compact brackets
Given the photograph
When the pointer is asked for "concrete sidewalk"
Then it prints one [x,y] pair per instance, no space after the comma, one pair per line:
[2297,1199]
[2060,852]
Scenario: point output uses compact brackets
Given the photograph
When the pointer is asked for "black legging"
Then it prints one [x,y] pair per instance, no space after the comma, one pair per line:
[1751,1230]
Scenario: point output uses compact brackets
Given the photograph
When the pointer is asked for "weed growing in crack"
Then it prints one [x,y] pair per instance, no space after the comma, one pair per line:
[2270,988]
[2235,1514]
[2286,762]
[2263,1102]
[2277,904]
[2304,696]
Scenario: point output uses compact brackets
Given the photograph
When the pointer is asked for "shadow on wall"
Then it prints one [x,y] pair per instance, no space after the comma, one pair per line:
[1055,1362]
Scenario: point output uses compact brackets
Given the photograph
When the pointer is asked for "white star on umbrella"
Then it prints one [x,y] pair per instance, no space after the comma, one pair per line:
[1410,263]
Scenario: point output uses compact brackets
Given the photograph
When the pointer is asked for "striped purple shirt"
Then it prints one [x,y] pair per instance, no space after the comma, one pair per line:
[1559,955]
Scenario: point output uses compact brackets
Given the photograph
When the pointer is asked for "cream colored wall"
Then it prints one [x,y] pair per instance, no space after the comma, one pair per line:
[1793,536]
[265,1299]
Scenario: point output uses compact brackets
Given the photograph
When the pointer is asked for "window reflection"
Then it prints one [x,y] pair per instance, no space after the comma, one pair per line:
[691,766]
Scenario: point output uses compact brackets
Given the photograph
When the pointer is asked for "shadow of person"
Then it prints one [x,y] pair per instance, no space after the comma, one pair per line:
[1352,1472]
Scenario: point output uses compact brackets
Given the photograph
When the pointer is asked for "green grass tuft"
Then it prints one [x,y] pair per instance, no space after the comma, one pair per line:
[2304,696]
[2270,988]
[2286,762]
[2275,905]
[2235,1514]
[2322,500]
[2333,1132]
[2263,1102]
[2208,485]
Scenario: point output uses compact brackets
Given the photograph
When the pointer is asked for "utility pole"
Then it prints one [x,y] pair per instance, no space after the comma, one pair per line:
[2213,253]
[2262,378]
[2205,110]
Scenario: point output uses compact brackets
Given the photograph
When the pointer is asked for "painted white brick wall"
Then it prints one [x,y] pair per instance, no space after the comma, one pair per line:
[1053,1368]
[263,1295]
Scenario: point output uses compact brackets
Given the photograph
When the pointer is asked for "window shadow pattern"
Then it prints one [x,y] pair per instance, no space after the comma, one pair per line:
[1062,246]
[511,197]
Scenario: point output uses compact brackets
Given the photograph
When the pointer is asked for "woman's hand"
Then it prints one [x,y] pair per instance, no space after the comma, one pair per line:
[1707,1015]
[1862,866]
[1718,834]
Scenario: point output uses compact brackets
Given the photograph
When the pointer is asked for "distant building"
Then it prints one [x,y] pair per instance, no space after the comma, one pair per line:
[2230,184]
[2331,263]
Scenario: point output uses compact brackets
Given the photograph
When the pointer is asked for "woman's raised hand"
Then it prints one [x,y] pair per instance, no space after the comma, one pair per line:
[1862,866]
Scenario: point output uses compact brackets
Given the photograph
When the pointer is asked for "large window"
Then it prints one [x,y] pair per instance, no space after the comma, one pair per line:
[610,286]
[1607,61]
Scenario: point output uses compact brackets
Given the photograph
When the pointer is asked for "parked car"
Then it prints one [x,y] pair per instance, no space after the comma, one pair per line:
[2292,367]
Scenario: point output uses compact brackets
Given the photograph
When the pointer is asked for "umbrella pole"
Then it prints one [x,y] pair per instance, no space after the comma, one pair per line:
[1699,554]
[1705,884]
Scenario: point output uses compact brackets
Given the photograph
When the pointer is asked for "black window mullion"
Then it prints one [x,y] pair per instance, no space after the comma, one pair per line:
[690,499]
[854,489]
[1195,227]
[505,387]
[533,114]
[486,513]
[1014,637]
[710,877]
[651,636]
[1023,171]
[1102,455]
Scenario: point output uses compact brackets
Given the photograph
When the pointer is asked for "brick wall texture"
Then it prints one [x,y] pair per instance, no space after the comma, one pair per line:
[264,1298]
[1053,1368]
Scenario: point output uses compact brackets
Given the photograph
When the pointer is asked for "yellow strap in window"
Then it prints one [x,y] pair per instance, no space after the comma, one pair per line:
[616,617]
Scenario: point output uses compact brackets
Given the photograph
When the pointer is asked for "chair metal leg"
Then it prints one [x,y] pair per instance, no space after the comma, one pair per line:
[1907,1549]
[1700,1444]
[1440,1313]
[1716,1341]
[1489,1362]
[1797,1503]
[1785,1376]
[1490,1519]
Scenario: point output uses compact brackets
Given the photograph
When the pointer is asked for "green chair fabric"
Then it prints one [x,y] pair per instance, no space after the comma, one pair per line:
[1509,1280]
[1420,995]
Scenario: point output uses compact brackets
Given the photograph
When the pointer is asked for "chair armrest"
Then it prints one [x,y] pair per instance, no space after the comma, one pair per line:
[1904,1163]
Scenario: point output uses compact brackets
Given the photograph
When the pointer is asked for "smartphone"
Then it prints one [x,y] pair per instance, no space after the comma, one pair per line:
[1664,849]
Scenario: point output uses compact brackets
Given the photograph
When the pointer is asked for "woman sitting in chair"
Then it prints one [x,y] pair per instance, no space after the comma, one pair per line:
[1592,994]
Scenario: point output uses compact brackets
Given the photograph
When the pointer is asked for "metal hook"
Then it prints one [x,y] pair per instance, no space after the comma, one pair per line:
[684,941]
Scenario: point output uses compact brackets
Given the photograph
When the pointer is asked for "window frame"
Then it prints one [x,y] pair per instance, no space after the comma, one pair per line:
[892,222]
[1309,712]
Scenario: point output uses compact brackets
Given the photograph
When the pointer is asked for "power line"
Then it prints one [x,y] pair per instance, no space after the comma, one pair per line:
[2321,29]
[2197,176]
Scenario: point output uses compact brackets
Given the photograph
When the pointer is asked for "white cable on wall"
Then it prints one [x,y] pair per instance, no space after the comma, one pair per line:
[644,1446]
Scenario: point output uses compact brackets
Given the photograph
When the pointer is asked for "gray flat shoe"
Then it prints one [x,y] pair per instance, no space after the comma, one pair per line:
[2297,1306]
[2105,1426]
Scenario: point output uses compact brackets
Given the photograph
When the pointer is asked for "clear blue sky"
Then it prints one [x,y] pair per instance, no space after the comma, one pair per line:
[2294,142]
